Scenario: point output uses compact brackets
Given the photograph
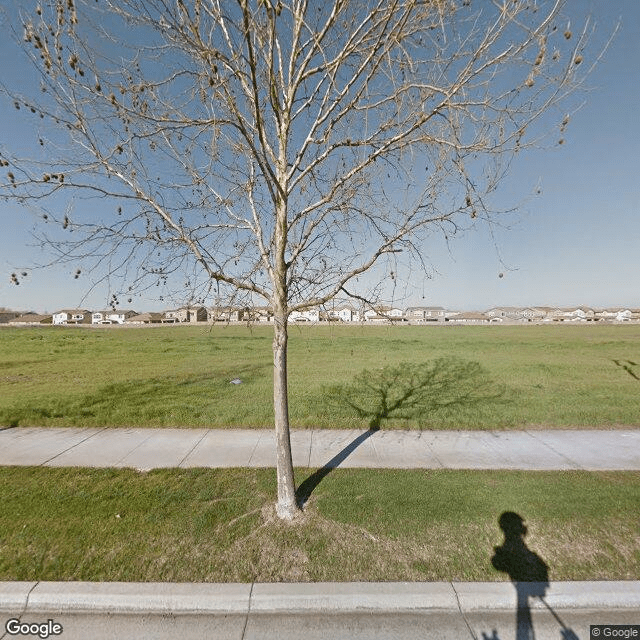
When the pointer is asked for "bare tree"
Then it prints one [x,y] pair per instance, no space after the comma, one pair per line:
[278,149]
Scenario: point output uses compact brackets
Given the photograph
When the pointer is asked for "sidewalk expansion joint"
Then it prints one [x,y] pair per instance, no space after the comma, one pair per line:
[310,448]
[24,609]
[128,453]
[375,451]
[246,619]
[573,463]
[204,435]
[73,446]
[435,456]
[255,448]
[464,617]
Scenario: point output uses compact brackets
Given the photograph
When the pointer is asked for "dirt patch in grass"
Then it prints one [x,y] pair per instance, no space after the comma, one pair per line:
[584,553]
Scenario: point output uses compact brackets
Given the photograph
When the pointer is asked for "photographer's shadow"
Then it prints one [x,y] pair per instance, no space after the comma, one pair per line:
[529,574]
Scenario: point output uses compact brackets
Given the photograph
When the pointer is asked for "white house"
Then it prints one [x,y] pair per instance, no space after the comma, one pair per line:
[384,314]
[112,316]
[617,314]
[71,316]
[308,315]
[573,314]
[348,314]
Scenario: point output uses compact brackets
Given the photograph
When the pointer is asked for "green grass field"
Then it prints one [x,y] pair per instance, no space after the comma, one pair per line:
[484,377]
[217,525]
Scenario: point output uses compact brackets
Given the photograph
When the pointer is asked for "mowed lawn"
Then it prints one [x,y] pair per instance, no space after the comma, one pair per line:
[218,525]
[490,377]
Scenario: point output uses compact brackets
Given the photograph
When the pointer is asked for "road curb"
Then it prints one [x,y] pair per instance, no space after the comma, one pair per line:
[329,597]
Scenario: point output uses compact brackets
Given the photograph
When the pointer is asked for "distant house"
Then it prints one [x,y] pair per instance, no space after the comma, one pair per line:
[329,316]
[8,316]
[30,319]
[547,313]
[262,314]
[185,315]
[225,314]
[372,315]
[616,314]
[170,317]
[111,316]
[257,314]
[144,318]
[504,314]
[573,314]
[426,314]
[518,314]
[533,314]
[384,314]
[347,313]
[71,316]
[470,317]
[307,315]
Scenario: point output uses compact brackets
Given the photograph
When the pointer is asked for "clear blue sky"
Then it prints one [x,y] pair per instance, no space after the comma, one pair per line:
[577,242]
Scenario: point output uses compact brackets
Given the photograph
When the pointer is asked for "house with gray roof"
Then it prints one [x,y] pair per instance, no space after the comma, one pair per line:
[426,314]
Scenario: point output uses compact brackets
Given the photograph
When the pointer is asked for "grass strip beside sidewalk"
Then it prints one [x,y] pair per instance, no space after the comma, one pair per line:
[217,525]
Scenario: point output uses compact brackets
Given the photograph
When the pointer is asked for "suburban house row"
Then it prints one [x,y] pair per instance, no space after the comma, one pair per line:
[342,313]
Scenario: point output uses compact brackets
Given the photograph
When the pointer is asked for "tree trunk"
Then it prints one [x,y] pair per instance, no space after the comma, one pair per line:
[287,506]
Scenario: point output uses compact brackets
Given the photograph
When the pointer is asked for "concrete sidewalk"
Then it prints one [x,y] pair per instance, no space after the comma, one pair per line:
[425,610]
[593,450]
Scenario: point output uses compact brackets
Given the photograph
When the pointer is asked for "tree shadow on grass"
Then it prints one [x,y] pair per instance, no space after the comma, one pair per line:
[414,391]
[405,391]
[632,368]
